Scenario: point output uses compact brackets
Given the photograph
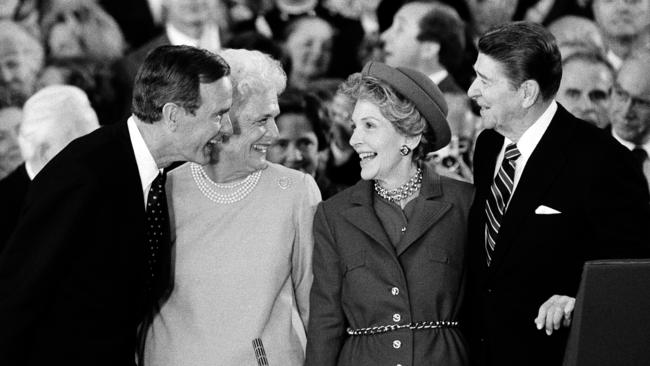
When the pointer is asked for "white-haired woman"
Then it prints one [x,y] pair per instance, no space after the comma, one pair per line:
[243,240]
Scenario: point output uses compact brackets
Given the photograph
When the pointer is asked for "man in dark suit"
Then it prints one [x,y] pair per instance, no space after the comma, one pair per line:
[544,202]
[51,118]
[77,277]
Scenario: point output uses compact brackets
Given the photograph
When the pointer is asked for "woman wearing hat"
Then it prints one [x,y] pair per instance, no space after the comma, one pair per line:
[389,252]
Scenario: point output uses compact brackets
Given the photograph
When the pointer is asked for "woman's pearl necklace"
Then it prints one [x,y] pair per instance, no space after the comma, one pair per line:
[207,186]
[402,192]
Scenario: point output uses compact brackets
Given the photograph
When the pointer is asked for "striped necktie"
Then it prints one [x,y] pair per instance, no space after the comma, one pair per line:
[498,198]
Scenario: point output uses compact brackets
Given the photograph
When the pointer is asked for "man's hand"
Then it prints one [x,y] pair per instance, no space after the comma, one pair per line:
[554,312]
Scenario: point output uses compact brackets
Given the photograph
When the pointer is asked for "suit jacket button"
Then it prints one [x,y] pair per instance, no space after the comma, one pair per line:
[397,344]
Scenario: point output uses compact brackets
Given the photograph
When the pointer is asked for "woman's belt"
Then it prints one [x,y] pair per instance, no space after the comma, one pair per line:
[412,326]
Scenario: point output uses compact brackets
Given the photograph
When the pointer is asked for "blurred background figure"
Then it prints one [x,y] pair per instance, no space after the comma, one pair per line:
[339,167]
[21,58]
[625,25]
[10,157]
[80,28]
[301,139]
[585,88]
[51,118]
[92,76]
[430,37]
[577,34]
[308,42]
[24,12]
[344,16]
[630,110]
[488,13]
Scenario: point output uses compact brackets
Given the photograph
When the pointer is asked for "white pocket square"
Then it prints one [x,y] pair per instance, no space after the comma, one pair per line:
[545,210]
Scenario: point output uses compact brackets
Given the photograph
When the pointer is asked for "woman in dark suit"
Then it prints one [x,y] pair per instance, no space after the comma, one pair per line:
[390,251]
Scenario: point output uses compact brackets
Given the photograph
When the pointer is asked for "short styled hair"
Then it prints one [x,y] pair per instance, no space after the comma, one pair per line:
[443,25]
[253,72]
[526,51]
[172,74]
[401,112]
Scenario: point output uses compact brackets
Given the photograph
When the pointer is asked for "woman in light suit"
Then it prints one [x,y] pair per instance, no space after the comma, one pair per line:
[390,251]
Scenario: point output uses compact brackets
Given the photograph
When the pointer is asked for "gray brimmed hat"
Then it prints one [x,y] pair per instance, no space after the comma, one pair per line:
[420,90]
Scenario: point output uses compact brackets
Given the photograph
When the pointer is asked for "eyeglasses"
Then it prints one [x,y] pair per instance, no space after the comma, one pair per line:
[619,95]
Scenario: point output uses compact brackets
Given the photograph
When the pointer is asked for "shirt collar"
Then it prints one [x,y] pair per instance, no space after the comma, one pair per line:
[438,76]
[529,140]
[631,145]
[147,167]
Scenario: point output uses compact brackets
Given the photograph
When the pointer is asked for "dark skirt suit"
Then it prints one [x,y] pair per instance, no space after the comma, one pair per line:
[364,279]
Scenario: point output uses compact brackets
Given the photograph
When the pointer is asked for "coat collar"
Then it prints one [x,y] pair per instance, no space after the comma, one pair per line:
[429,210]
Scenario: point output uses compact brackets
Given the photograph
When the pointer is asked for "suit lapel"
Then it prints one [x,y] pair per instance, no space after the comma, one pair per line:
[541,170]
[427,212]
[362,214]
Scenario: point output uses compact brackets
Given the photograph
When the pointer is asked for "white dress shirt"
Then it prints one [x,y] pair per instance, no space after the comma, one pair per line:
[527,143]
[146,164]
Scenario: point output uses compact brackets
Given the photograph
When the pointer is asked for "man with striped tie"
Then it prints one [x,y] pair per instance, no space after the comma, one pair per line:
[544,203]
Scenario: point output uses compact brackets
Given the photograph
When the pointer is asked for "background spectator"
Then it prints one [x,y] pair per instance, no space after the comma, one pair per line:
[308,42]
[630,112]
[625,26]
[21,58]
[81,28]
[587,80]
[575,33]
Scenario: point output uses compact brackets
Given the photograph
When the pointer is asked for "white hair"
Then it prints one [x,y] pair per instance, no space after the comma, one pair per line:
[253,71]
[52,118]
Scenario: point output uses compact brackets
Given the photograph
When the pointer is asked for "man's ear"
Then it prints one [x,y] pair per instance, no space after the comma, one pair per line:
[171,112]
[529,91]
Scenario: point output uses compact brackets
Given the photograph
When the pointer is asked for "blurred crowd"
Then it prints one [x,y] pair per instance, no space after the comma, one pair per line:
[98,45]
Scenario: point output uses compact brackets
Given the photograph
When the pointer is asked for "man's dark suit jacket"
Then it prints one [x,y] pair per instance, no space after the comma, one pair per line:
[585,174]
[13,189]
[72,274]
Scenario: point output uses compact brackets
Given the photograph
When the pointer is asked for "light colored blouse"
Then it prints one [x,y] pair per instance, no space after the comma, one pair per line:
[242,271]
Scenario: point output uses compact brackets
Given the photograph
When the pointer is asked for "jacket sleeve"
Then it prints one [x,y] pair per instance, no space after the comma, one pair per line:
[303,245]
[327,322]
[35,259]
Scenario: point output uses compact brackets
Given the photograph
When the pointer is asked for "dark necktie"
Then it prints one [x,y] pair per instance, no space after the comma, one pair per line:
[640,155]
[158,256]
[498,198]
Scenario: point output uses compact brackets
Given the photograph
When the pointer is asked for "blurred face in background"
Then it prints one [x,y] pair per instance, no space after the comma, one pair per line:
[10,156]
[310,48]
[622,18]
[401,48]
[585,89]
[630,110]
[297,144]
[487,13]
[188,12]
[19,67]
